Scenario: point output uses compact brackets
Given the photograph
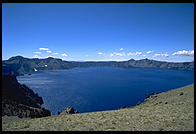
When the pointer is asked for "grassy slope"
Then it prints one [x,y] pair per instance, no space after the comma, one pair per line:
[154,114]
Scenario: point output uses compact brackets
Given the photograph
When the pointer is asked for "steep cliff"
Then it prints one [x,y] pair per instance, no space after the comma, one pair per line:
[19,100]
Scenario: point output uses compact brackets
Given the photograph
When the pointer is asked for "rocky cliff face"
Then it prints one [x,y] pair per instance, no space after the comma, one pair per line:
[11,108]
[14,91]
[19,100]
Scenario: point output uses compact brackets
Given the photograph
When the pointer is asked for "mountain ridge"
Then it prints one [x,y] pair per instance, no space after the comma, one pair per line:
[19,65]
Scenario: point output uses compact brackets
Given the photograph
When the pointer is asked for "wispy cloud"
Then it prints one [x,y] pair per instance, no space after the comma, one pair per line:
[138,53]
[161,55]
[45,49]
[184,53]
[148,52]
[49,51]
[64,54]
[121,49]
[35,56]
[100,53]
[38,52]
[117,54]
[55,53]
[134,54]
[43,57]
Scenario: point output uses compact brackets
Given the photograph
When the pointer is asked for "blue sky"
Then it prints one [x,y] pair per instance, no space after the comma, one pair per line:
[99,31]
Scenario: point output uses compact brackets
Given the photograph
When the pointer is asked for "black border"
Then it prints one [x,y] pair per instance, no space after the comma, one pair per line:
[95,1]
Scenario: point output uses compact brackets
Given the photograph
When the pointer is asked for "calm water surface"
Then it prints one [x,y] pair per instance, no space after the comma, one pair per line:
[101,88]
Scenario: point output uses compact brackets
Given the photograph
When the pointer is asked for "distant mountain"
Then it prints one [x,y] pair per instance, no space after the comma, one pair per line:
[146,63]
[19,65]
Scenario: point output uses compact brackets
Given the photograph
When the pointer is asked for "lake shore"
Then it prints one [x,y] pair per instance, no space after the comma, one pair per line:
[101,88]
[172,110]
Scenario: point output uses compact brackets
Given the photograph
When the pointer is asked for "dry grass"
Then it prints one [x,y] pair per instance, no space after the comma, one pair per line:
[152,115]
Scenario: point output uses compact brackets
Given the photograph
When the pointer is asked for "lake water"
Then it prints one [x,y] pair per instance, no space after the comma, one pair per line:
[101,88]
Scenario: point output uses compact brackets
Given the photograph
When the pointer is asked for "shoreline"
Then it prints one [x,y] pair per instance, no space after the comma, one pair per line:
[166,109]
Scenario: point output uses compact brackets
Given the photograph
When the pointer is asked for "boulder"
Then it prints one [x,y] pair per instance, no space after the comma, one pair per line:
[181,93]
[68,110]
[125,106]
[138,103]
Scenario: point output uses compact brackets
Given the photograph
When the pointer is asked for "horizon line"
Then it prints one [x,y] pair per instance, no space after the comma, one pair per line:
[97,60]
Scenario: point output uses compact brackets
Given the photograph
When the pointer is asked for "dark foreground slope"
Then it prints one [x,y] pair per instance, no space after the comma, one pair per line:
[172,110]
[19,100]
[19,65]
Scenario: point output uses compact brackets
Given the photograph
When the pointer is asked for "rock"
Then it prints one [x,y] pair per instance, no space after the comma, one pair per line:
[138,103]
[147,96]
[19,100]
[11,108]
[152,95]
[181,93]
[68,110]
[12,90]
[125,106]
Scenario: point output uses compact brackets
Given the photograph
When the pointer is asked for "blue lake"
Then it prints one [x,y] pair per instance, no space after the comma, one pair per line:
[101,88]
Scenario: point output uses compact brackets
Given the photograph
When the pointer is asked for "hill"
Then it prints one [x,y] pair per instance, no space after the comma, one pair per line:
[19,65]
[172,110]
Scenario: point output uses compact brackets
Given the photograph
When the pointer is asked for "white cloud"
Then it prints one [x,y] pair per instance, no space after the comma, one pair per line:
[117,54]
[134,54]
[45,49]
[44,57]
[64,54]
[144,55]
[100,53]
[35,56]
[49,51]
[148,52]
[56,53]
[121,49]
[161,55]
[156,55]
[131,54]
[38,52]
[138,53]
[165,55]
[184,53]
